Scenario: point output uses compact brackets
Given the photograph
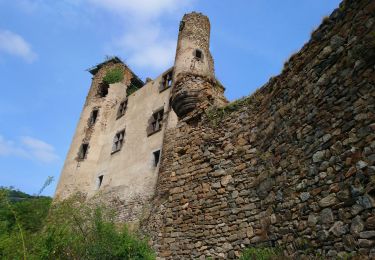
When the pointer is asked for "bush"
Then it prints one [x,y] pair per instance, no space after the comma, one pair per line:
[73,229]
[20,215]
[113,76]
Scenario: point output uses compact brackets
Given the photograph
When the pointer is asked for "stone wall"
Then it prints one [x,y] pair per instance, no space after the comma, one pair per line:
[290,166]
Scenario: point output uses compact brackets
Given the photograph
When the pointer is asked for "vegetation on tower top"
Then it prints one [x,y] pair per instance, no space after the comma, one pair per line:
[114,75]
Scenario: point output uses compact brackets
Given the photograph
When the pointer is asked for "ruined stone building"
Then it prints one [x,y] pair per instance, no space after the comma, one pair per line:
[117,145]
[290,166]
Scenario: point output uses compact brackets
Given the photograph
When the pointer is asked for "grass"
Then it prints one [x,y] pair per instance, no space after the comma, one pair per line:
[261,253]
[216,114]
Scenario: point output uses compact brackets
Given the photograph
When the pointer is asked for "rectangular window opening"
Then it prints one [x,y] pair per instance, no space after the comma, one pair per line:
[166,81]
[156,157]
[83,151]
[122,108]
[169,80]
[93,117]
[118,141]
[155,122]
[198,54]
[100,181]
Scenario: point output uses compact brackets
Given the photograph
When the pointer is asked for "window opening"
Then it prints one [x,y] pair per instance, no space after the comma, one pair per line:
[166,81]
[198,54]
[103,89]
[93,116]
[118,141]
[122,108]
[156,157]
[83,151]
[169,80]
[155,122]
[100,181]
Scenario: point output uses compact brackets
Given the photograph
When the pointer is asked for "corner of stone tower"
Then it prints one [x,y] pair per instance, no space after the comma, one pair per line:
[194,84]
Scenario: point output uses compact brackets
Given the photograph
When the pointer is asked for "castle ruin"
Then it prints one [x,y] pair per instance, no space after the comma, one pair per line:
[291,166]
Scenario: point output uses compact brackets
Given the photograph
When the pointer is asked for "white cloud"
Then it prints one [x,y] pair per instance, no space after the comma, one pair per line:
[28,148]
[145,43]
[13,44]
[39,149]
[142,9]
[147,47]
[9,148]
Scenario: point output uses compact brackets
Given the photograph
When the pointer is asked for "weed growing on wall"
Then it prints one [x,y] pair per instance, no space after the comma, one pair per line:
[261,253]
[113,76]
[216,114]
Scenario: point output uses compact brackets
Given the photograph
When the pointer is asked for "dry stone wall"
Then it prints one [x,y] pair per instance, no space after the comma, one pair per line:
[291,166]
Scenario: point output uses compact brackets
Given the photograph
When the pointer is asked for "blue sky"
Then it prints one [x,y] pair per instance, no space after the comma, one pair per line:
[46,46]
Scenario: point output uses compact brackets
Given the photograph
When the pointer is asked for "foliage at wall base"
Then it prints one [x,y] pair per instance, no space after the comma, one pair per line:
[73,229]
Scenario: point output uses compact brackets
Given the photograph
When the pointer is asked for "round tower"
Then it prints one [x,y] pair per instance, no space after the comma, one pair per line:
[193,73]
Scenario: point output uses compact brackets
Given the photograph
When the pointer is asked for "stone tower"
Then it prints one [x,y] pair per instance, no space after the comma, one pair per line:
[194,83]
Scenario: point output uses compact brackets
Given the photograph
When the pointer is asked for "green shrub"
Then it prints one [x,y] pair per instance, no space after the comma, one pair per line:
[261,253]
[114,75]
[30,211]
[80,231]
[20,214]
[73,229]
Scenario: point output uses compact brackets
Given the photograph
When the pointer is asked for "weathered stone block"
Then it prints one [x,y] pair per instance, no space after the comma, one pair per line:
[339,229]
[326,216]
[357,226]
[327,201]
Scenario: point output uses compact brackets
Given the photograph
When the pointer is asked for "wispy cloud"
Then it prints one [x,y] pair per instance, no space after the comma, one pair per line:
[28,148]
[142,9]
[14,44]
[147,48]
[39,149]
[9,148]
[145,41]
